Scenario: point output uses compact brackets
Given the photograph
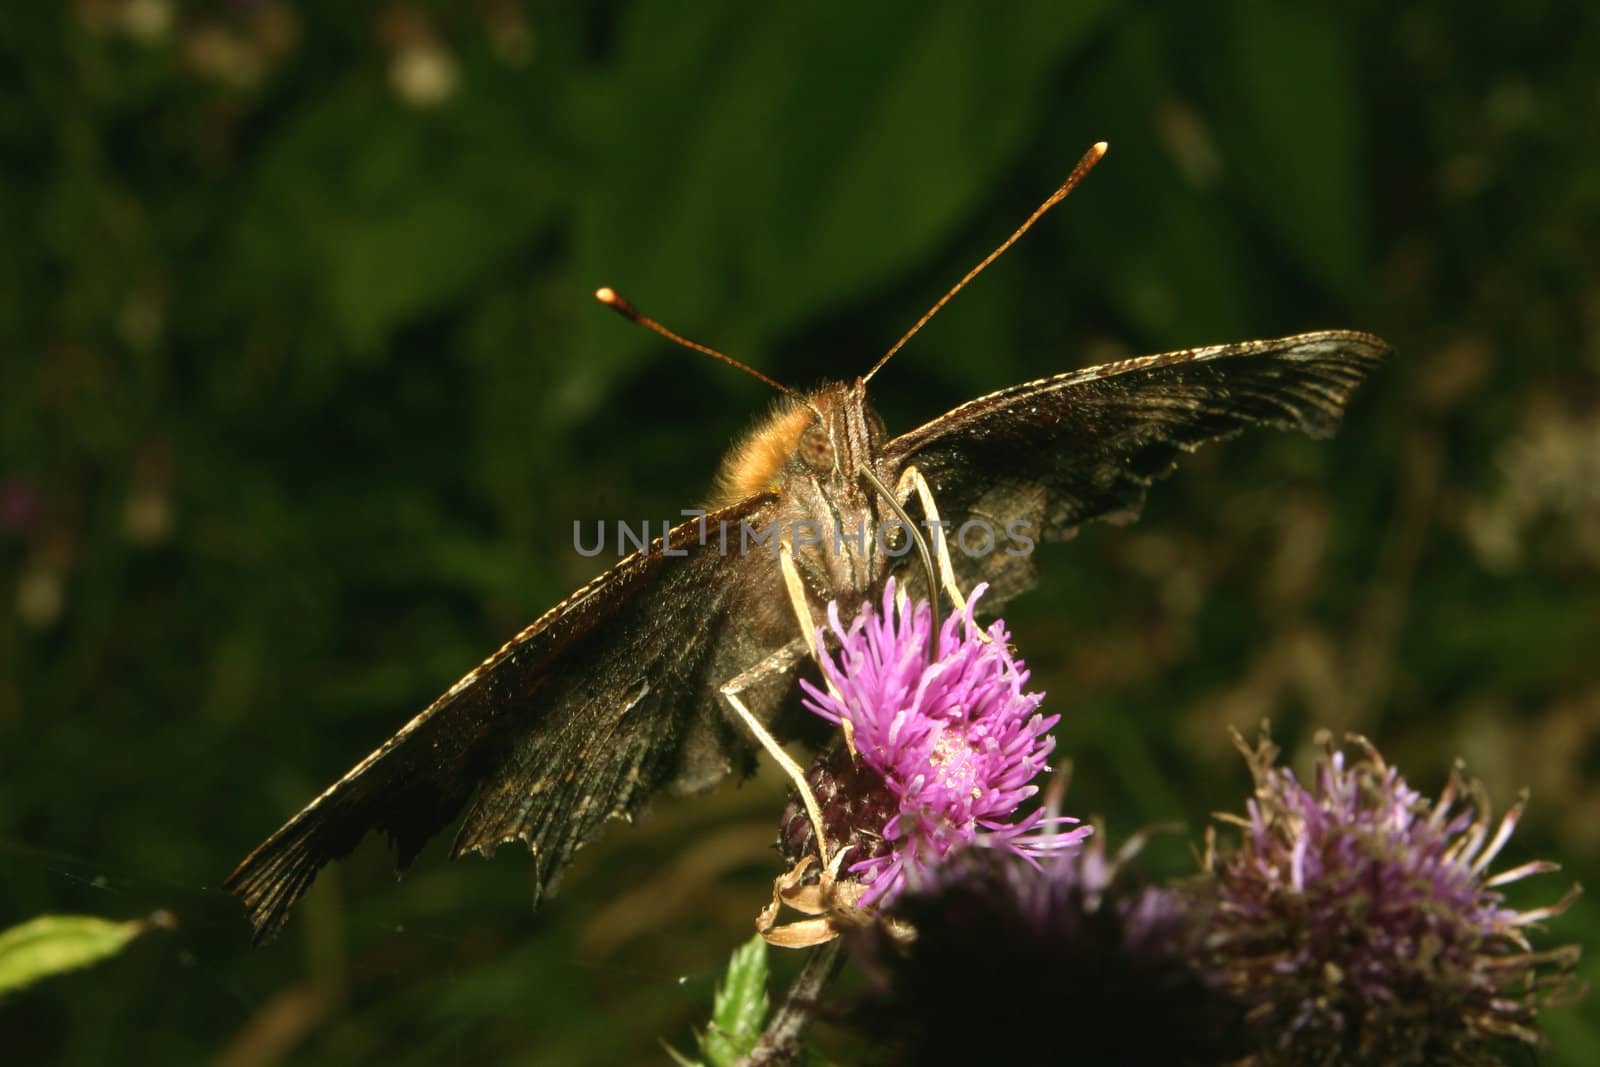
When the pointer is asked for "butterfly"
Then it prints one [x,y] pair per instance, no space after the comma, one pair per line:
[620,690]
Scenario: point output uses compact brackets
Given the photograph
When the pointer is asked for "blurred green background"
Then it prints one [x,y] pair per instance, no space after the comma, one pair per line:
[303,387]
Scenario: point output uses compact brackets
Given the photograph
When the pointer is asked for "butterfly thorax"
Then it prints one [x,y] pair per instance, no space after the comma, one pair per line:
[810,453]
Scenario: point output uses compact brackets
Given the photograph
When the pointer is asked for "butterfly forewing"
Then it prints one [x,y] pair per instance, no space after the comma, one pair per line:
[1046,456]
[605,698]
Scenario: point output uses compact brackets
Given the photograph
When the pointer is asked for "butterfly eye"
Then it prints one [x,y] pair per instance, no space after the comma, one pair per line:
[816,450]
[876,426]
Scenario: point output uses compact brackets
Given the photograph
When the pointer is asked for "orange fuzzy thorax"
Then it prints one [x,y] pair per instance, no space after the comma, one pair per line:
[754,465]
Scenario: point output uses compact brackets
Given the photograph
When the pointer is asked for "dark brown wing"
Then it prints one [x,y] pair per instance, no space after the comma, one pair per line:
[609,695]
[1050,455]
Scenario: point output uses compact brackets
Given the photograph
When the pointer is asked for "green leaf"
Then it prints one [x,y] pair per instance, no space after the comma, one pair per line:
[1305,125]
[739,1008]
[386,227]
[773,168]
[55,944]
[1195,281]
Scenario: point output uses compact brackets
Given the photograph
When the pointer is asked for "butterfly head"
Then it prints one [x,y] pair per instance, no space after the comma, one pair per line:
[821,441]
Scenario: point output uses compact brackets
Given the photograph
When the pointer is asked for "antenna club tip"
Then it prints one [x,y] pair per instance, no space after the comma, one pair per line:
[1100,148]
[614,300]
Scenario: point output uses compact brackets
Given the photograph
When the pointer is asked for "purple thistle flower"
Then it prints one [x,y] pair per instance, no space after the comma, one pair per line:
[1077,934]
[1360,924]
[952,741]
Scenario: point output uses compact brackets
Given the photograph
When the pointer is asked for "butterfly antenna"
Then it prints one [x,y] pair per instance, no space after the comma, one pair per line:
[616,302]
[1086,164]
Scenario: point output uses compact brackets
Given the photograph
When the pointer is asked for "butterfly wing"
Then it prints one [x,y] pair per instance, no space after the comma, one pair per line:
[1042,458]
[608,696]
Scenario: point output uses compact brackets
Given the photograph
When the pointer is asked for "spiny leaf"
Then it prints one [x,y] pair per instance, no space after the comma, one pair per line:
[739,1007]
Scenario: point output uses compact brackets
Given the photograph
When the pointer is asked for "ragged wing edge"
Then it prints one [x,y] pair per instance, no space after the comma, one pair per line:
[279,871]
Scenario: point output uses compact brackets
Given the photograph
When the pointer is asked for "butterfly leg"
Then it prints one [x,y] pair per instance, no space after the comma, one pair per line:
[811,931]
[802,615]
[780,662]
[797,598]
[816,901]
[911,480]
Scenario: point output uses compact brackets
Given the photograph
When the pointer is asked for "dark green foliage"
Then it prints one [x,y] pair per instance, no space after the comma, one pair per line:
[301,388]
